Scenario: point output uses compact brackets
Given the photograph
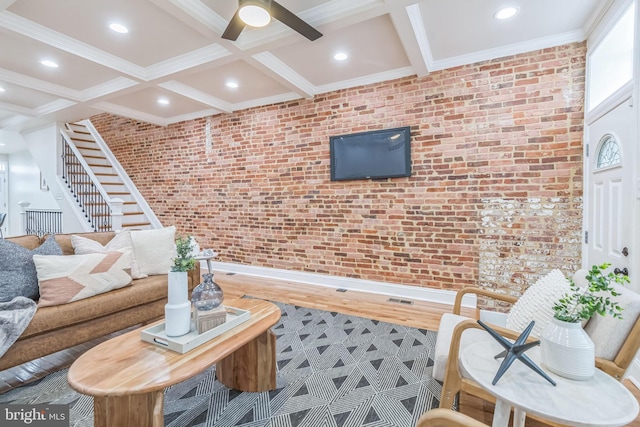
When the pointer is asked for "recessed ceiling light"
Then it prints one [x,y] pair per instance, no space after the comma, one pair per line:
[48,63]
[231,84]
[340,56]
[505,13]
[119,28]
[163,101]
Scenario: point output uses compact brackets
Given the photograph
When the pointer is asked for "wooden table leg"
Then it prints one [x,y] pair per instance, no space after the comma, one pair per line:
[252,367]
[136,410]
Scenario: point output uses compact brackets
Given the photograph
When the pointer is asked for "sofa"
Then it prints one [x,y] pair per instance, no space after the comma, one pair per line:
[54,328]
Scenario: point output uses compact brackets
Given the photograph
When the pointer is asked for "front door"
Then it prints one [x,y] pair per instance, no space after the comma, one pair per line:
[610,195]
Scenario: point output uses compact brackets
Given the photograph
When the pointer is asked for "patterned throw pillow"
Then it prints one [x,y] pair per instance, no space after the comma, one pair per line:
[82,246]
[17,271]
[154,249]
[537,303]
[64,279]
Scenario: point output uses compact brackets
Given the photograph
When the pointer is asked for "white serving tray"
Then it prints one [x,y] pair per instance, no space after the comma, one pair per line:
[156,334]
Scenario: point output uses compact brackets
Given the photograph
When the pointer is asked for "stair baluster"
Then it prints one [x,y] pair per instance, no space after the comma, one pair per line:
[93,205]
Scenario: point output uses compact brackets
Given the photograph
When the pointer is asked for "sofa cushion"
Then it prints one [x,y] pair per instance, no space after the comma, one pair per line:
[68,278]
[141,293]
[537,303]
[122,240]
[154,249]
[18,275]
[64,240]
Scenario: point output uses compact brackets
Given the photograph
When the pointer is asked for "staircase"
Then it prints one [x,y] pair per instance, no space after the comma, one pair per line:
[95,198]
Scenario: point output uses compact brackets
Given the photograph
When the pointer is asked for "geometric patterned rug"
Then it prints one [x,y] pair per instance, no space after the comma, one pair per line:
[334,370]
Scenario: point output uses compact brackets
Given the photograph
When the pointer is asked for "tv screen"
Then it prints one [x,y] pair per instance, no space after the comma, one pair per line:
[376,154]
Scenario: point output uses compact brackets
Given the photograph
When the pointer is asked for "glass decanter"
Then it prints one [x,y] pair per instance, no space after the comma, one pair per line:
[207,295]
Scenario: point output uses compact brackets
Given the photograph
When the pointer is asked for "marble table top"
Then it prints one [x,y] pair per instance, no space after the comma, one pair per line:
[598,401]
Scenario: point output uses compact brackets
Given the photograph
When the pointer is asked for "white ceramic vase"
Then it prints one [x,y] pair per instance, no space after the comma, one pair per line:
[567,350]
[177,311]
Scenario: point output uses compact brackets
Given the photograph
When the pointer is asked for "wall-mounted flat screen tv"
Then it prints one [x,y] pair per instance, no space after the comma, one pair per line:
[376,154]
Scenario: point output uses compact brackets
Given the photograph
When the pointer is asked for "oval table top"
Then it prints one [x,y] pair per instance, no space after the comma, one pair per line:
[126,365]
[598,401]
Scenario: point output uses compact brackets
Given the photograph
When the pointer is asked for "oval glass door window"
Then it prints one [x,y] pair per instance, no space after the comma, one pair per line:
[609,154]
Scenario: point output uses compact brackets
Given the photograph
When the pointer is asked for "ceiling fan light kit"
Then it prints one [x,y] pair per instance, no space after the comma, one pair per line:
[258,13]
[255,13]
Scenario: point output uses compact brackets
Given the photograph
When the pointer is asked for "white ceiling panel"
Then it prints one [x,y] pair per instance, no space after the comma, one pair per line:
[22,55]
[147,100]
[24,97]
[252,83]
[370,52]
[88,20]
[174,49]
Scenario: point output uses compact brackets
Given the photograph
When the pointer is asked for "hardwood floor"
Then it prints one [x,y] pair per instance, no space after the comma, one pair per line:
[419,314]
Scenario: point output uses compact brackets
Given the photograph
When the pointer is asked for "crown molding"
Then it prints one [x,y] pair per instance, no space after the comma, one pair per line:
[183,62]
[508,50]
[18,109]
[197,95]
[420,33]
[275,99]
[201,13]
[398,73]
[192,116]
[108,107]
[39,85]
[106,88]
[300,84]
[52,107]
[60,41]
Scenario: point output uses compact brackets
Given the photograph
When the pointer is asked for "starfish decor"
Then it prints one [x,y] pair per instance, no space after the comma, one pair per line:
[513,351]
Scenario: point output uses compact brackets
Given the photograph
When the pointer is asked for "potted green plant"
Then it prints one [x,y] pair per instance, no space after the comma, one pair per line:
[177,311]
[566,349]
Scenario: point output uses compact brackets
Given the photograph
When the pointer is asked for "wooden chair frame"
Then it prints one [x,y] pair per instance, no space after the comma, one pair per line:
[454,382]
[447,418]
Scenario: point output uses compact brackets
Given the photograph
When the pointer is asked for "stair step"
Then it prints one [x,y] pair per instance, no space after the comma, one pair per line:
[89,148]
[132,213]
[89,156]
[105,174]
[75,138]
[137,224]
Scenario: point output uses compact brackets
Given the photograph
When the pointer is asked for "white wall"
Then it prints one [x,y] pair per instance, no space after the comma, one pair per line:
[44,145]
[24,184]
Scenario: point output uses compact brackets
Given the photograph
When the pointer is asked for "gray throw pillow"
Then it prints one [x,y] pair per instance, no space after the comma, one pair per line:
[18,275]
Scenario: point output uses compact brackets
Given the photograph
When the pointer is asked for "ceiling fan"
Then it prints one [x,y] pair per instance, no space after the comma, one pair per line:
[258,13]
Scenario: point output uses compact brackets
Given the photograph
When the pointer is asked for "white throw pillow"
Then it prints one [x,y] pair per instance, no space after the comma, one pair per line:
[68,278]
[82,246]
[537,303]
[608,333]
[154,249]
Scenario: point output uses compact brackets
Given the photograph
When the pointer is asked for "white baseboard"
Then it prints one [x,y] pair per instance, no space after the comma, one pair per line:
[392,289]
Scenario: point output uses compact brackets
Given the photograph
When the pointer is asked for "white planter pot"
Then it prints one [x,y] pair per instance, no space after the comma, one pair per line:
[567,350]
[177,311]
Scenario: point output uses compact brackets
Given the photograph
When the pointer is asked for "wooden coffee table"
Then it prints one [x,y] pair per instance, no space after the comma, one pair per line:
[127,376]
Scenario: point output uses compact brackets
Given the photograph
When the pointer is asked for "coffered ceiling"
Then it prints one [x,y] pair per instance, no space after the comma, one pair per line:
[173,50]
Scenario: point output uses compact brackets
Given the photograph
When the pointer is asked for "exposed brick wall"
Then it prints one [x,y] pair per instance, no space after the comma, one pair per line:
[495,196]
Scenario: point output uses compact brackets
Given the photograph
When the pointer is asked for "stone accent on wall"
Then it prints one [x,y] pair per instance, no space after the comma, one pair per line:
[484,136]
[523,239]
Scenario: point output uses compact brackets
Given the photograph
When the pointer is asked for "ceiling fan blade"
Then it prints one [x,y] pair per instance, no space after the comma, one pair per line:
[235,27]
[288,18]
